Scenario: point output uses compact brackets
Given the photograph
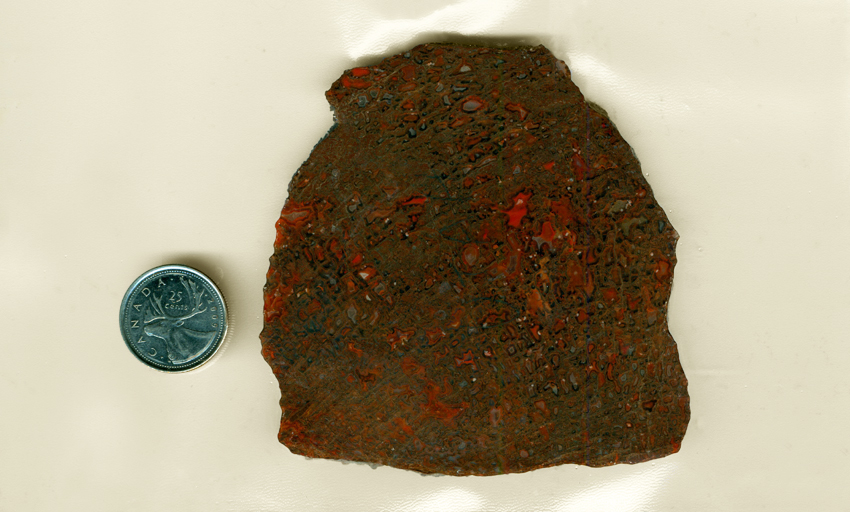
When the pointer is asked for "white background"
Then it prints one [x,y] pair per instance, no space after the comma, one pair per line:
[134,134]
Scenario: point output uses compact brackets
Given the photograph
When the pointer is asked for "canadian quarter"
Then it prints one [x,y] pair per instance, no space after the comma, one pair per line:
[173,318]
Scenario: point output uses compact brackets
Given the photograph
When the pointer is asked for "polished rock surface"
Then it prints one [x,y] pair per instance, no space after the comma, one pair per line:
[471,276]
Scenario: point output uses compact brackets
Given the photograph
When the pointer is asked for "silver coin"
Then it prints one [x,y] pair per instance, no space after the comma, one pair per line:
[173,318]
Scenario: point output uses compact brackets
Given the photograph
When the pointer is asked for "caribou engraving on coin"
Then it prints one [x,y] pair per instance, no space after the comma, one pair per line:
[181,342]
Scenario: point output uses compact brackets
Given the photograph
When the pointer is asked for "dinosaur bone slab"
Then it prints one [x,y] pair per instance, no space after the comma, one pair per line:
[471,276]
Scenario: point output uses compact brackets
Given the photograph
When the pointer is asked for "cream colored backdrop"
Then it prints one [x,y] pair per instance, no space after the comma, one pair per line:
[134,134]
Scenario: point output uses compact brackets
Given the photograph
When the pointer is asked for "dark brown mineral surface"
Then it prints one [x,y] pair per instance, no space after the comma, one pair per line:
[471,276]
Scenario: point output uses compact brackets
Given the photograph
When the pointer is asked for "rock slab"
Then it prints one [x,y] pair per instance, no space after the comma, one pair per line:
[471,276]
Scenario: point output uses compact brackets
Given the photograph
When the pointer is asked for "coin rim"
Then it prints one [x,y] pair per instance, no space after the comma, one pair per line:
[187,366]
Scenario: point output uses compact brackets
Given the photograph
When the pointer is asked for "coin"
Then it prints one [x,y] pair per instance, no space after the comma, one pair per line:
[173,318]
